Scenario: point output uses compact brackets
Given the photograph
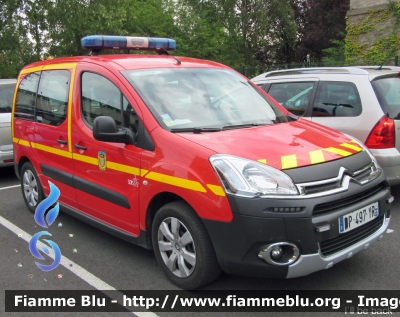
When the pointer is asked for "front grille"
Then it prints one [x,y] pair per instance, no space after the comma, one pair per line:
[313,189]
[342,203]
[346,240]
[340,183]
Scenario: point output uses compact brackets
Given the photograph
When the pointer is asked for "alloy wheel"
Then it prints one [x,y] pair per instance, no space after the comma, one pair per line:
[30,188]
[176,247]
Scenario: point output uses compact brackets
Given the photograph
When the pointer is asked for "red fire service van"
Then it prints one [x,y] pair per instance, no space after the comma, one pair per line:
[188,158]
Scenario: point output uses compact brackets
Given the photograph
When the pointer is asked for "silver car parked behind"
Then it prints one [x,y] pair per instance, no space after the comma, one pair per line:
[362,101]
[7,87]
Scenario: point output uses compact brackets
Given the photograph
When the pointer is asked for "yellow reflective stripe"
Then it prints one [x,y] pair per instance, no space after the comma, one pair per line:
[52,150]
[337,151]
[59,66]
[123,168]
[31,70]
[352,146]
[143,172]
[263,161]
[176,181]
[15,140]
[24,143]
[217,190]
[162,178]
[84,158]
[317,157]
[289,161]
[111,165]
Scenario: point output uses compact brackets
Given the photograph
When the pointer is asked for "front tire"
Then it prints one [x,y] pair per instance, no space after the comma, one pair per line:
[31,188]
[183,247]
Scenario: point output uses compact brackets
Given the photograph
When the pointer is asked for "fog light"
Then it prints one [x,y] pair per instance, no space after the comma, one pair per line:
[276,252]
[280,253]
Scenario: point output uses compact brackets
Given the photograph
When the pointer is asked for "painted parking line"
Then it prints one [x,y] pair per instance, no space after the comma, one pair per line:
[74,268]
[10,187]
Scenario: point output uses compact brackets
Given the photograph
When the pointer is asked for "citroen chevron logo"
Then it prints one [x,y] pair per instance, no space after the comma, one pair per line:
[45,220]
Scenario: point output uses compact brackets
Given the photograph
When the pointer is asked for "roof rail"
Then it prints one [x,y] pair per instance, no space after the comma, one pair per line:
[381,67]
[318,70]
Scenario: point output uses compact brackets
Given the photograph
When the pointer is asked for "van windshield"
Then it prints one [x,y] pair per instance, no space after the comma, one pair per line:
[202,98]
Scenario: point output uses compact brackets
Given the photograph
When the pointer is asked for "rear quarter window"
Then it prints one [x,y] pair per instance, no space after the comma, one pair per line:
[387,91]
[26,97]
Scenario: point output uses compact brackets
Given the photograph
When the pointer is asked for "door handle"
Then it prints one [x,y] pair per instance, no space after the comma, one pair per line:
[62,141]
[80,147]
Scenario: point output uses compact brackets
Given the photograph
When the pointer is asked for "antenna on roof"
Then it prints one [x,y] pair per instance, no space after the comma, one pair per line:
[379,68]
[162,51]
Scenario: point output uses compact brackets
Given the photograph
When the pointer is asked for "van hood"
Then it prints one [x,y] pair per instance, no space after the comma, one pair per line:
[283,146]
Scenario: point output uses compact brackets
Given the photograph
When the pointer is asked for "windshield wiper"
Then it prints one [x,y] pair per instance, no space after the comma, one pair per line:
[239,126]
[338,104]
[292,117]
[226,127]
[195,130]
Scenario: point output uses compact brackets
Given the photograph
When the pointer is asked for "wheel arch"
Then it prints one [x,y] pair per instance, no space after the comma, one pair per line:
[18,166]
[155,204]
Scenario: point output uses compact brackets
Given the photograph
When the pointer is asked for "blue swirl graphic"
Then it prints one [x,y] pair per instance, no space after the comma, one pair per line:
[51,216]
[46,204]
[35,252]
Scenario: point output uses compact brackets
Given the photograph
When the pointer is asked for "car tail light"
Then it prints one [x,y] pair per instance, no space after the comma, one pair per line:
[382,135]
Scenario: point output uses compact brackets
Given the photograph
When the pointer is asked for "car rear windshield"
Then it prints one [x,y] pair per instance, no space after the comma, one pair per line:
[387,91]
[6,97]
[188,98]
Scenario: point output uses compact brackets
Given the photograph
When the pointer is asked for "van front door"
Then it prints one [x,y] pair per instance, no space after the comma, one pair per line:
[106,173]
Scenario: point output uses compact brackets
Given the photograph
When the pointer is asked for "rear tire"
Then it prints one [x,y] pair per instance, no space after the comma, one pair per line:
[183,247]
[31,188]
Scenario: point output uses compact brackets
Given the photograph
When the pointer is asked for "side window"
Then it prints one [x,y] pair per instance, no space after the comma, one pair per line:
[6,96]
[52,98]
[26,97]
[337,99]
[293,96]
[100,97]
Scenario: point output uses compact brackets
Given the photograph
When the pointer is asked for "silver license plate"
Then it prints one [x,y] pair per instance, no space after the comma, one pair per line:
[358,217]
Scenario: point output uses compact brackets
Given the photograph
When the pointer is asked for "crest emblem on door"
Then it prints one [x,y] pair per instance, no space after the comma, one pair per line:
[102,160]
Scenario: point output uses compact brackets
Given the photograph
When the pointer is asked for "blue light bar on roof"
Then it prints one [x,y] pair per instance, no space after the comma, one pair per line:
[100,42]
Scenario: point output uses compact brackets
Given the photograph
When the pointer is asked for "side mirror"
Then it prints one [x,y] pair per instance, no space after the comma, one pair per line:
[105,129]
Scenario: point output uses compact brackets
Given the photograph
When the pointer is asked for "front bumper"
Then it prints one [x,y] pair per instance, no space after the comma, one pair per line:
[238,243]
[310,263]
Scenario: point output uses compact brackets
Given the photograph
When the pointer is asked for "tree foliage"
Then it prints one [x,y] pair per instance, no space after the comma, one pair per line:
[16,49]
[234,32]
[319,22]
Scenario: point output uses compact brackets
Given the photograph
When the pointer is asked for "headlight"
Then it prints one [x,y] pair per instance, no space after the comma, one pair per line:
[249,178]
[373,159]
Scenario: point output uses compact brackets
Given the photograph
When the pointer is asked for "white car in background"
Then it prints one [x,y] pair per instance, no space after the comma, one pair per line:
[362,101]
[7,87]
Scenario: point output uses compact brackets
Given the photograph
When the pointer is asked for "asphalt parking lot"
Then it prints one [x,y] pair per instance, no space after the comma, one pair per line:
[94,259]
